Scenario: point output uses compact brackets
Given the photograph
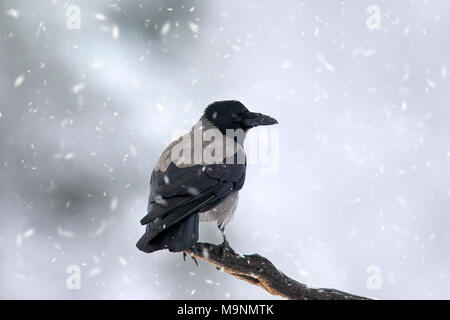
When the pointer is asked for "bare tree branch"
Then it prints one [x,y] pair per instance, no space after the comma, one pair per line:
[259,271]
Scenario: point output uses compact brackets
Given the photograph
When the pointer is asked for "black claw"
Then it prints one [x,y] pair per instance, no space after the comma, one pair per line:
[193,258]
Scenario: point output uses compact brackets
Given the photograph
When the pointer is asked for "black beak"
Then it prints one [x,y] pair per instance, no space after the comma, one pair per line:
[252,119]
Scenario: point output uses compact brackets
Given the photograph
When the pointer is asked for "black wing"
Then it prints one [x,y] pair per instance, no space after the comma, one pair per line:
[178,195]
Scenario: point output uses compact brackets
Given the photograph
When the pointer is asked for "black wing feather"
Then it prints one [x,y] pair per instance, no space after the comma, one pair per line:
[178,195]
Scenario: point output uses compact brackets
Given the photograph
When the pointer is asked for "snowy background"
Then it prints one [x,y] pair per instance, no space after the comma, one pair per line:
[364,179]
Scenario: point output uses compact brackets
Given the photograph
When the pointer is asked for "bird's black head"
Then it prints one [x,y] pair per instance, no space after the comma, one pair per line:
[231,114]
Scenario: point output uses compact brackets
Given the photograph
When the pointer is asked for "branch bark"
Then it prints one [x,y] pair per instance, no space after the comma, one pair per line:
[259,271]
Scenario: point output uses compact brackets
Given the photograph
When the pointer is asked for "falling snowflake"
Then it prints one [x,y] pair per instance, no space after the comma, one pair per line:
[165,28]
[113,204]
[28,233]
[324,62]
[115,32]
[194,27]
[286,65]
[19,80]
[13,13]
[123,261]
[64,233]
[94,271]
[99,17]
[96,64]
[78,87]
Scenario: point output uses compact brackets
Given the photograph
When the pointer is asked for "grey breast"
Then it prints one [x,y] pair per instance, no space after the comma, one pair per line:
[223,212]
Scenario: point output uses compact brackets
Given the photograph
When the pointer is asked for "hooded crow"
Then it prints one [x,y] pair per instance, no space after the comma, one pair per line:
[198,178]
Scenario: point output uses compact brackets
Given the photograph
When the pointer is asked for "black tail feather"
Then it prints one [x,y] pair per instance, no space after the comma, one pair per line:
[179,237]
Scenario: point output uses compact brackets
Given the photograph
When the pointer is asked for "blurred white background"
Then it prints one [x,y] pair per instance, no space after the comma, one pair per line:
[364,179]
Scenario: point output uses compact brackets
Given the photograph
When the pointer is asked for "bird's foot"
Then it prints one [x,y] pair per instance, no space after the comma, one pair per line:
[192,257]
[193,251]
[224,247]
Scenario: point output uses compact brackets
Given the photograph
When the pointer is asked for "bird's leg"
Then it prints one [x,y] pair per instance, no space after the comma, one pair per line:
[224,246]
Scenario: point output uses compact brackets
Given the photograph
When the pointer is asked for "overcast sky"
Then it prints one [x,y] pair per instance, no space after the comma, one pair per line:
[357,194]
